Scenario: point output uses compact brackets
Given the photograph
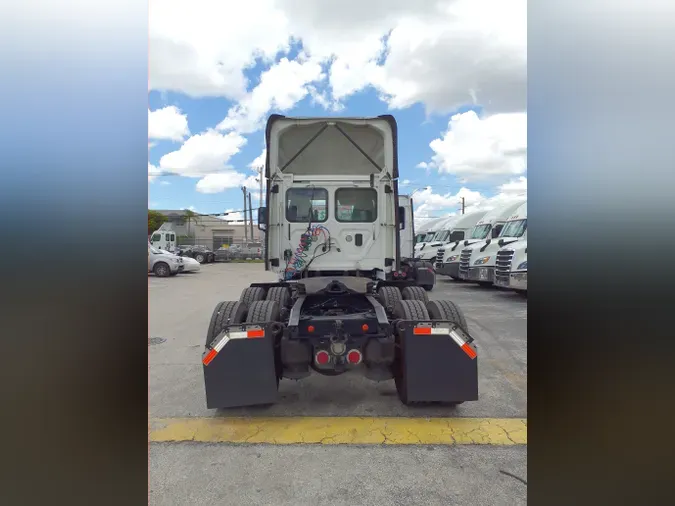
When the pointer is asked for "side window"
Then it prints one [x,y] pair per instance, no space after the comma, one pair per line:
[301,201]
[173,237]
[401,217]
[456,236]
[497,230]
[156,237]
[356,205]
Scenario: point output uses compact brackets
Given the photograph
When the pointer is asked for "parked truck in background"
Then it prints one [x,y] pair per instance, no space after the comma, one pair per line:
[477,261]
[340,302]
[452,230]
[164,238]
[511,267]
[488,227]
[423,232]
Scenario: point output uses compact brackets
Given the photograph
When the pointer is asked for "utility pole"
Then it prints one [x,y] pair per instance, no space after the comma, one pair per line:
[260,170]
[462,204]
[250,213]
[243,189]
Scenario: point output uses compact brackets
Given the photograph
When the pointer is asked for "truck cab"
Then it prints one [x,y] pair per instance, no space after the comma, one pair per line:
[333,198]
[511,267]
[426,231]
[164,238]
[477,261]
[488,227]
[454,229]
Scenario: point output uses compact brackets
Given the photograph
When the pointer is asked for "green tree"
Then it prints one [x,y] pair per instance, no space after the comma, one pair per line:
[155,220]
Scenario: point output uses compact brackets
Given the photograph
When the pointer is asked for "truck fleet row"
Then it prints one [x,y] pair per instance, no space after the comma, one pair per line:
[488,248]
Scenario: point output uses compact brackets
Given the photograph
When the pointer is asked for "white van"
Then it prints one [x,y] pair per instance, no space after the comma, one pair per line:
[454,229]
[477,261]
[488,227]
[511,267]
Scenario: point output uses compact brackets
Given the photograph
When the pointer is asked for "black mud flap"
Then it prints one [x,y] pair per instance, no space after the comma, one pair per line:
[425,276]
[240,367]
[438,362]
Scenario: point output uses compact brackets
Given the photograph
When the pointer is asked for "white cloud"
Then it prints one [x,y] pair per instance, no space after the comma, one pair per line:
[441,53]
[202,48]
[202,154]
[168,123]
[259,161]
[164,183]
[280,88]
[153,172]
[216,183]
[478,148]
[233,215]
[429,204]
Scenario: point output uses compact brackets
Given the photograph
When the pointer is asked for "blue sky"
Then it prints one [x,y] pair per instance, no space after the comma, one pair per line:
[474,142]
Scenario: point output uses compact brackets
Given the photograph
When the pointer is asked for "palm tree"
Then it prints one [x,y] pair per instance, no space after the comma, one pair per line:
[190,217]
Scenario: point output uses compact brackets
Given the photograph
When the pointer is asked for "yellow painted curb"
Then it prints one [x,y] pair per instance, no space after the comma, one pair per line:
[341,430]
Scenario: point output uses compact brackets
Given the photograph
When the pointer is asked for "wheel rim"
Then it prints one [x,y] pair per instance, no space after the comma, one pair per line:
[199,258]
[162,270]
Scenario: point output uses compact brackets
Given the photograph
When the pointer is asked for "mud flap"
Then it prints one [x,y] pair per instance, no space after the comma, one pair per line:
[424,276]
[438,362]
[240,367]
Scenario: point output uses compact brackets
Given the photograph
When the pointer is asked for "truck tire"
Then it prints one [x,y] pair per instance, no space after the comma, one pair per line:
[280,294]
[200,258]
[251,294]
[161,270]
[411,310]
[415,293]
[263,311]
[389,297]
[225,313]
[447,310]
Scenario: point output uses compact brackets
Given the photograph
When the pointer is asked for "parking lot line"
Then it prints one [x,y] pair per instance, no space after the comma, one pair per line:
[341,430]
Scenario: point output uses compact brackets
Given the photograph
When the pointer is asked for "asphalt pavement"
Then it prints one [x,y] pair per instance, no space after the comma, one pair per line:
[215,467]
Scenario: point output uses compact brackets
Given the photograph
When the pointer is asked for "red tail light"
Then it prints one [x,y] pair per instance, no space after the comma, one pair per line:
[322,357]
[354,357]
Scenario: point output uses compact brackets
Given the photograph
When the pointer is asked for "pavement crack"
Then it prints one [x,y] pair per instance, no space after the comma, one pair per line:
[524,482]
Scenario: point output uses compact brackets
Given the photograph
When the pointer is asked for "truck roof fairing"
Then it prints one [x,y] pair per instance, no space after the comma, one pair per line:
[353,145]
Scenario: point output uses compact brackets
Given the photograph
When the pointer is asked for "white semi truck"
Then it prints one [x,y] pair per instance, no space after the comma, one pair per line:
[456,228]
[423,232]
[340,301]
[477,261]
[488,227]
[511,267]
[164,238]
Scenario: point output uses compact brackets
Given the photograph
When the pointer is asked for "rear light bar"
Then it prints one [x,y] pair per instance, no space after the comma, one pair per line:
[425,329]
[253,332]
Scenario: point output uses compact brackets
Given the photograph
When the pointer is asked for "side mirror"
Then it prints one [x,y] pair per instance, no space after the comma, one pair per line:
[262,218]
[401,218]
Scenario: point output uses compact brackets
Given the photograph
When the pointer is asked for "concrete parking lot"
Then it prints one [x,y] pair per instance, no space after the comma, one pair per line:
[194,460]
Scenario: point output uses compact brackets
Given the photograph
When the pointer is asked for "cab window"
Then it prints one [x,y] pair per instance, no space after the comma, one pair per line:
[356,205]
[306,204]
